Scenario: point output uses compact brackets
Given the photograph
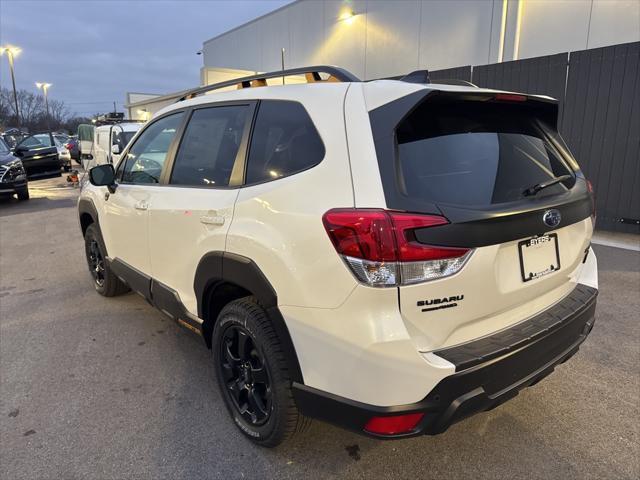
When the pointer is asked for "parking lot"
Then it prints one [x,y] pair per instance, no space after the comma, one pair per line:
[110,388]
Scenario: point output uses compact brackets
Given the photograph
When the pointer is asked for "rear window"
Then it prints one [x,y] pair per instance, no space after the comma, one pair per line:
[476,153]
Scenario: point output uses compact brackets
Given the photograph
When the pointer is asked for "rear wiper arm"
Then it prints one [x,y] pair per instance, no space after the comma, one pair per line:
[541,186]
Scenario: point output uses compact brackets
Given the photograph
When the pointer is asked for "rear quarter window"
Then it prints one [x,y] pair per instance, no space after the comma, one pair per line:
[284,141]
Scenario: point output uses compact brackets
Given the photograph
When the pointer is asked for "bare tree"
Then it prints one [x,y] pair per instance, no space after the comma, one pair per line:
[31,107]
[58,111]
[33,113]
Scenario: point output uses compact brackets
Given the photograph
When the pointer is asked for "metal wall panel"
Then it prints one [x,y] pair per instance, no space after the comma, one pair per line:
[458,73]
[599,98]
[602,127]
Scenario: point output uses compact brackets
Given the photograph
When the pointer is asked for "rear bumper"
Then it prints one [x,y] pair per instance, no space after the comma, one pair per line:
[489,371]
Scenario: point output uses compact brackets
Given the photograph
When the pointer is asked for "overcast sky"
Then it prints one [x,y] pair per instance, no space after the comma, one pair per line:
[94,51]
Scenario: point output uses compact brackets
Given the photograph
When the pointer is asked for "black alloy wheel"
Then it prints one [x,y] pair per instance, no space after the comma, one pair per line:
[246,376]
[96,263]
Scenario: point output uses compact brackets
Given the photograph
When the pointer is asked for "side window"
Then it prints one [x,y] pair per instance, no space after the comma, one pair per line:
[209,147]
[284,142]
[147,156]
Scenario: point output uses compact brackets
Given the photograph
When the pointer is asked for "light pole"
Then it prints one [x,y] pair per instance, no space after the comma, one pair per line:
[11,53]
[45,87]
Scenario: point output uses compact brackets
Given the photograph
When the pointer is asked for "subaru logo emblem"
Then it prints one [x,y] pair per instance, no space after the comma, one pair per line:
[552,218]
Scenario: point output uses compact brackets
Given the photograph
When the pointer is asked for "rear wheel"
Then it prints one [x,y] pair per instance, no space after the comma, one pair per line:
[23,194]
[105,281]
[252,374]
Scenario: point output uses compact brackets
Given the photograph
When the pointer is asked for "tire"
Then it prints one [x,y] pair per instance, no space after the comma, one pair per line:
[23,194]
[262,388]
[104,280]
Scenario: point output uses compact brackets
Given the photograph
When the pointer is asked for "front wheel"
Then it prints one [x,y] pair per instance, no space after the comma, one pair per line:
[23,194]
[105,281]
[253,375]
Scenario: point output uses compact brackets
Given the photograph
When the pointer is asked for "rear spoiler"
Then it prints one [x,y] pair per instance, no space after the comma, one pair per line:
[546,108]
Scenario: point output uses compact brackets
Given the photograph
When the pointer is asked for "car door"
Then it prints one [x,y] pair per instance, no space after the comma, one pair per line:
[126,210]
[39,155]
[190,215]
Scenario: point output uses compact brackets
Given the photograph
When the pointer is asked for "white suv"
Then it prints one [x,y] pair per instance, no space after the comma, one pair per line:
[386,256]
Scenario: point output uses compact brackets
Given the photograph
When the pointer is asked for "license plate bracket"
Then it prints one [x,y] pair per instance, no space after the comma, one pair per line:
[539,256]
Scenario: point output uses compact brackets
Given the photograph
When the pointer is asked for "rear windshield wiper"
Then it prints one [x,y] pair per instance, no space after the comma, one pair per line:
[541,186]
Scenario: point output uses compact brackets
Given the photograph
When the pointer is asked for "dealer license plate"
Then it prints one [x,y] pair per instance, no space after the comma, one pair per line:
[539,256]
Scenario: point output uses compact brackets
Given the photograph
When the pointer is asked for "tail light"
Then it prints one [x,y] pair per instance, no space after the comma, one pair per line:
[381,249]
[394,425]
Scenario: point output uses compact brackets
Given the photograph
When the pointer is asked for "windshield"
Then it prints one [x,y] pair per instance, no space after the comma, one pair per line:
[40,140]
[472,153]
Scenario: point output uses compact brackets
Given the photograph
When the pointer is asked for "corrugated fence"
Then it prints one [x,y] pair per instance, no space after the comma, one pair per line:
[599,98]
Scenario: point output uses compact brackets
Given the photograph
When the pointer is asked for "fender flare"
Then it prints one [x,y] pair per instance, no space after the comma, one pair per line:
[221,267]
[86,206]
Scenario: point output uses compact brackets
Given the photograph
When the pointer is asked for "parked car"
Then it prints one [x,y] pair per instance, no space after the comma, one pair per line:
[110,140]
[39,155]
[61,137]
[63,154]
[387,256]
[12,137]
[13,178]
[72,146]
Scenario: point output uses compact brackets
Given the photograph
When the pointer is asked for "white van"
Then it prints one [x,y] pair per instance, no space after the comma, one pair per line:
[110,140]
[85,141]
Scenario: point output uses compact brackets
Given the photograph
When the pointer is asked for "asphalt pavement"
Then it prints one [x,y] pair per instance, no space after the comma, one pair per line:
[102,388]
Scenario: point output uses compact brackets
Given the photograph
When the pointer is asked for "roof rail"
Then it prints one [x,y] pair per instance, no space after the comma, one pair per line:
[312,75]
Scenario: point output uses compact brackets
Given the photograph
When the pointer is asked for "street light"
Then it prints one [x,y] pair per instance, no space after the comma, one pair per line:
[11,53]
[45,87]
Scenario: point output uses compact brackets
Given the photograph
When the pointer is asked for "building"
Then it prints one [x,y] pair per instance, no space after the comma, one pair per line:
[584,53]
[378,38]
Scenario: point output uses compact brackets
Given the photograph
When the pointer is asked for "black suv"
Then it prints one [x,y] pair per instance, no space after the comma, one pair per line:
[13,177]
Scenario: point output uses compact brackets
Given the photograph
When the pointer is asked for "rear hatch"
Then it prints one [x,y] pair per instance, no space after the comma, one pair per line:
[518,210]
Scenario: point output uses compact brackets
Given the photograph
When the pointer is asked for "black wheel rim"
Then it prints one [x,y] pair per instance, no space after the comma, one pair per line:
[246,376]
[96,263]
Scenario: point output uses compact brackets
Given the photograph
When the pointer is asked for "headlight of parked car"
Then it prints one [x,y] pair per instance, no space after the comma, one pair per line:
[12,172]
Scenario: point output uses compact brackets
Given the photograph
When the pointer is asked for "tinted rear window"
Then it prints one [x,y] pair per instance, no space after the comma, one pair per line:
[475,153]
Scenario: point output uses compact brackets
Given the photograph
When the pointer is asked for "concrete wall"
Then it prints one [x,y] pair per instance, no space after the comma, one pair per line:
[387,38]
[576,25]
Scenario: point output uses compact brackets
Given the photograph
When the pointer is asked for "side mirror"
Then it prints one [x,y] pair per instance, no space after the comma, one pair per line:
[103,176]
[115,149]
[19,150]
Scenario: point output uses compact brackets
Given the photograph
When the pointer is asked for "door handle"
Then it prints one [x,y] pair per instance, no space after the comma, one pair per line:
[212,220]
[141,205]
